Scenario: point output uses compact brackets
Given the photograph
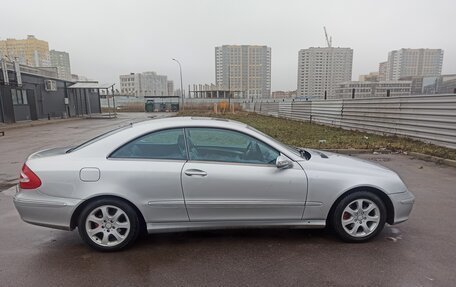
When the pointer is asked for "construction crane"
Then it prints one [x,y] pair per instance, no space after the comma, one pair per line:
[328,40]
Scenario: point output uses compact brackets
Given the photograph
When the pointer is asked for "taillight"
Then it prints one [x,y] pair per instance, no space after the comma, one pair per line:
[28,179]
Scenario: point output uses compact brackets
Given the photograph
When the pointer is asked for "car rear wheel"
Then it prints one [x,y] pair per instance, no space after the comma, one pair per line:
[359,217]
[108,224]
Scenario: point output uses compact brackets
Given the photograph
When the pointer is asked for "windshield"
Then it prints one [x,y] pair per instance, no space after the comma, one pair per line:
[296,151]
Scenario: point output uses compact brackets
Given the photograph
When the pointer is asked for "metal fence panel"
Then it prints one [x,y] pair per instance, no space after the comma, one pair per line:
[270,108]
[429,118]
[327,112]
[379,115]
[301,110]
[285,109]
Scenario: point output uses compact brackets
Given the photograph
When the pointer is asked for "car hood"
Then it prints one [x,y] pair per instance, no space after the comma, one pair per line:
[344,163]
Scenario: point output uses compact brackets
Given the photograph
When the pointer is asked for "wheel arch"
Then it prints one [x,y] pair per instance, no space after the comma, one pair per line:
[80,207]
[383,196]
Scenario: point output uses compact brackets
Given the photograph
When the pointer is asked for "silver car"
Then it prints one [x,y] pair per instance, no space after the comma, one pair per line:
[187,173]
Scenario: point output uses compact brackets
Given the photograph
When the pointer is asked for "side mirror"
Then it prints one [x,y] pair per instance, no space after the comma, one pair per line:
[283,162]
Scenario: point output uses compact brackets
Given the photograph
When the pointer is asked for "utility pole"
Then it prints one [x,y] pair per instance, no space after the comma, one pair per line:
[229,85]
[182,86]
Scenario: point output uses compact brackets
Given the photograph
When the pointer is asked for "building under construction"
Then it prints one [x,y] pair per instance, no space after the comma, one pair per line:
[211,91]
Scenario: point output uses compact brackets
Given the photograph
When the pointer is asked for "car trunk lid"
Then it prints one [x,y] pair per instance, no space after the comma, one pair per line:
[48,152]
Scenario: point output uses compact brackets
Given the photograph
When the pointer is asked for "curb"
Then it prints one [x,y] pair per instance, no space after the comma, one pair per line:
[102,117]
[349,151]
[358,151]
[436,159]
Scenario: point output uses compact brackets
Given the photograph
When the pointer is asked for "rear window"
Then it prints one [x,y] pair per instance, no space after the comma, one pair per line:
[99,137]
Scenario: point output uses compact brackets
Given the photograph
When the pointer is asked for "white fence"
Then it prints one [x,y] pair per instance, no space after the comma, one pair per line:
[430,118]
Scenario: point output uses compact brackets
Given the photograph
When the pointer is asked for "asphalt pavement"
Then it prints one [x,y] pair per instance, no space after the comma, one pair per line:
[419,252]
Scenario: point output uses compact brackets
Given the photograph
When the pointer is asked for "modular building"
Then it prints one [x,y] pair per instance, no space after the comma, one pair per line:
[29,93]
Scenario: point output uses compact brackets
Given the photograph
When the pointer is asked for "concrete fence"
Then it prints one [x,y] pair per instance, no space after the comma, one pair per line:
[429,118]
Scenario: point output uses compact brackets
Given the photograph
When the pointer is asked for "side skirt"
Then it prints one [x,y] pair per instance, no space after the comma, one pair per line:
[162,227]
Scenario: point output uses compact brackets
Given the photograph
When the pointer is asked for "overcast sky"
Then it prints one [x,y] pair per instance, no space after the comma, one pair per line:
[107,38]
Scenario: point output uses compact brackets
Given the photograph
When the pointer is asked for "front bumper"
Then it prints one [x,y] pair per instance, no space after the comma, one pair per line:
[37,208]
[403,204]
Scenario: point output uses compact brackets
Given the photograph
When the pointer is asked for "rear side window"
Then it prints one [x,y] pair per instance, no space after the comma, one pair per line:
[165,144]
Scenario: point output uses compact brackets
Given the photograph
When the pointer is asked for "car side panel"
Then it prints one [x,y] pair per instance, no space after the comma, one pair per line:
[327,184]
[154,186]
[231,191]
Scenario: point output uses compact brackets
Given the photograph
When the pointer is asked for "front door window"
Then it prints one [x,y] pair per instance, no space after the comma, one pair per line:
[222,145]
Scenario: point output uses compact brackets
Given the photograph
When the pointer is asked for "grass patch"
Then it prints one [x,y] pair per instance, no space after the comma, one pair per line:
[304,134]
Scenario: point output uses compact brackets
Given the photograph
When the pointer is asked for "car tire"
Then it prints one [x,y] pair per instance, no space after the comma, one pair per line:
[108,224]
[354,224]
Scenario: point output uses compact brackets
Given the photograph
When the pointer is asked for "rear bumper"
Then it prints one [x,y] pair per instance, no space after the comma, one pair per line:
[37,208]
[403,205]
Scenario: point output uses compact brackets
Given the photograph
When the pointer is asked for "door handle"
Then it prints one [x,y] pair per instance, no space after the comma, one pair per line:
[191,172]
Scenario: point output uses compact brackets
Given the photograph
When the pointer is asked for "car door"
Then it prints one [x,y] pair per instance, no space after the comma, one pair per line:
[232,176]
[149,169]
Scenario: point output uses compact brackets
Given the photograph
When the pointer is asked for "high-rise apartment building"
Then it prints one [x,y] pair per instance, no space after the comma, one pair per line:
[61,60]
[30,51]
[321,69]
[414,62]
[244,69]
[170,88]
[147,84]
[382,67]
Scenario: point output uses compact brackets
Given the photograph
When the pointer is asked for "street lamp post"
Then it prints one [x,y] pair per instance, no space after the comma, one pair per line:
[182,86]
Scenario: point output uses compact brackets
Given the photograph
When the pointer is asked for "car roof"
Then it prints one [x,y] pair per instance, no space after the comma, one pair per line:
[134,130]
[189,121]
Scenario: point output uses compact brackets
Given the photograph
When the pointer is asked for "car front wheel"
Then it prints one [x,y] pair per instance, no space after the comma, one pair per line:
[108,224]
[359,217]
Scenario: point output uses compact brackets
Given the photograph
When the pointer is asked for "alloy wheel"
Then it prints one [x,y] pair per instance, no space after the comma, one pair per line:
[360,217]
[107,225]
